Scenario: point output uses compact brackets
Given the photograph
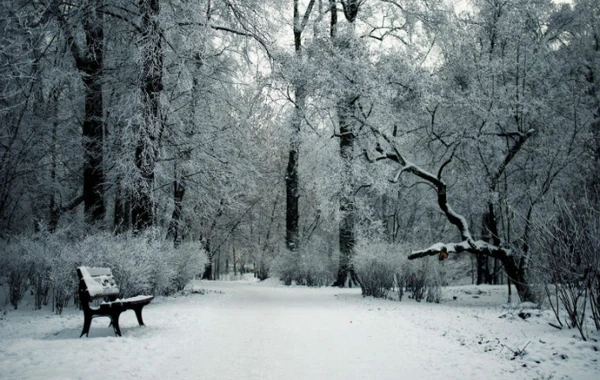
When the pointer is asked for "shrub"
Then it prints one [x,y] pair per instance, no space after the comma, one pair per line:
[423,278]
[311,266]
[377,265]
[568,263]
[16,269]
[188,261]
[141,264]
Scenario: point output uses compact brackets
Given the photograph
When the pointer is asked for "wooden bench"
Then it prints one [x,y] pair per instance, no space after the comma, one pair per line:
[96,283]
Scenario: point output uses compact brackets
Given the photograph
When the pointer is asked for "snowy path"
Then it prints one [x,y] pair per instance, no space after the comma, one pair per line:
[250,331]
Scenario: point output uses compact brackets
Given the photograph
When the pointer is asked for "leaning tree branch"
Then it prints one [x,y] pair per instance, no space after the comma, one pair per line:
[521,139]
[476,247]
[242,33]
[80,61]
[468,244]
[71,205]
[453,217]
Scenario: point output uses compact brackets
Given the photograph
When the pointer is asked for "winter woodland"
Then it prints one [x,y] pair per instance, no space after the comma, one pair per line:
[392,146]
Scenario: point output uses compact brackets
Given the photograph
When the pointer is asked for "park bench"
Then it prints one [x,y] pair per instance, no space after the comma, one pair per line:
[99,283]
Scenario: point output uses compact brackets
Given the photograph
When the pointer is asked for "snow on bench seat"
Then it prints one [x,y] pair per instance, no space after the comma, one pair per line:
[99,281]
[131,300]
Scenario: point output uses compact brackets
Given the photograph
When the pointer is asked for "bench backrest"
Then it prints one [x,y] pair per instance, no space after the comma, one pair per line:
[96,283]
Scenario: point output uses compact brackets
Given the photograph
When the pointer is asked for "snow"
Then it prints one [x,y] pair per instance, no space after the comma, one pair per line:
[130,299]
[98,285]
[249,330]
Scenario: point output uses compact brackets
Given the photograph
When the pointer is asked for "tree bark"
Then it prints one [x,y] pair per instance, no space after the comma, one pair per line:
[93,122]
[292,216]
[346,275]
[174,230]
[485,275]
[208,268]
[594,180]
[346,107]
[147,150]
[90,63]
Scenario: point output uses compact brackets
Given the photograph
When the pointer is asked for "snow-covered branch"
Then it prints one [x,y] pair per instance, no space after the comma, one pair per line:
[477,247]
[406,166]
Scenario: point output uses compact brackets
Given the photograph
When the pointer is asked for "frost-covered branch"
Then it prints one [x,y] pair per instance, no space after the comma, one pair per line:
[512,263]
[477,247]
[406,166]
[521,138]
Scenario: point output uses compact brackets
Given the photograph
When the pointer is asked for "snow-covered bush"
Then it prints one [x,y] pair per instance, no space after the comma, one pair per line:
[423,278]
[311,266]
[263,256]
[377,265]
[263,266]
[15,268]
[567,261]
[142,264]
[383,267]
[188,259]
[286,266]
[131,259]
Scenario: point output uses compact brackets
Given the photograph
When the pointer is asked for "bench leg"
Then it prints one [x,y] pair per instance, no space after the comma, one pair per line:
[115,322]
[138,314]
[87,322]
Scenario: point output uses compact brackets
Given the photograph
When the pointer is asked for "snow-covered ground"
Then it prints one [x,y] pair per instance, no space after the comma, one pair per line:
[246,330]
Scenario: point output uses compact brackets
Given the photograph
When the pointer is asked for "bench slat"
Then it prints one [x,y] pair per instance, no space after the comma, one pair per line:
[99,282]
[93,272]
[130,301]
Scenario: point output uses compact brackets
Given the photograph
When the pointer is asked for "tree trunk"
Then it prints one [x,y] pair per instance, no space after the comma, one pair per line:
[234,261]
[90,63]
[489,234]
[345,111]
[346,275]
[93,171]
[515,272]
[93,121]
[151,130]
[292,215]
[121,211]
[174,230]
[208,268]
[594,181]
[54,209]
[482,270]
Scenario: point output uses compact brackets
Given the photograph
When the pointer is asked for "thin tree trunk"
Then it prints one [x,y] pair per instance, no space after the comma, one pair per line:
[209,267]
[119,208]
[174,230]
[54,209]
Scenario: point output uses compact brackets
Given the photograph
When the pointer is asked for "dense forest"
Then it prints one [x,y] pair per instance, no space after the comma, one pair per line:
[320,141]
